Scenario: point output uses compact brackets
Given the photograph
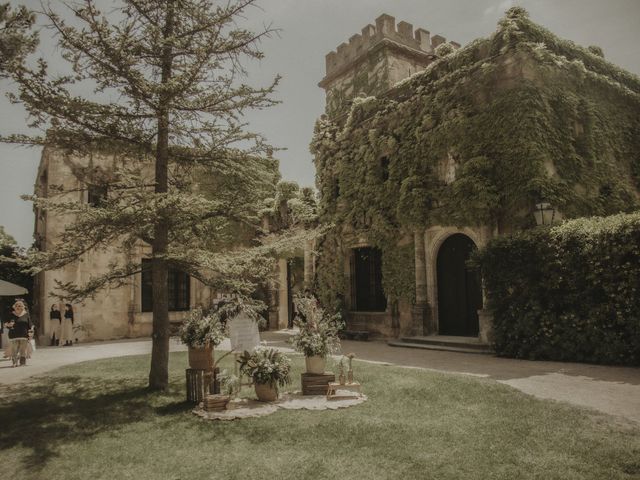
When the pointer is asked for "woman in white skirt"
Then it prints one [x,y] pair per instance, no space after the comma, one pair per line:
[66,335]
[56,324]
[6,343]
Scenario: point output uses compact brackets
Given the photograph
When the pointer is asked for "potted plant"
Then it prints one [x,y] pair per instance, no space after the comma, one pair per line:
[201,333]
[318,333]
[269,369]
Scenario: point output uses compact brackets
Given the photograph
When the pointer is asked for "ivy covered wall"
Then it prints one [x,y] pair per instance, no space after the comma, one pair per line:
[478,138]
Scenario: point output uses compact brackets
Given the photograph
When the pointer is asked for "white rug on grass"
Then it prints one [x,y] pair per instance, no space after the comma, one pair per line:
[248,408]
[297,401]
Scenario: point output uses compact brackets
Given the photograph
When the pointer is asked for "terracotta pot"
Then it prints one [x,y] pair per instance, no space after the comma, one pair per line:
[315,364]
[266,392]
[201,358]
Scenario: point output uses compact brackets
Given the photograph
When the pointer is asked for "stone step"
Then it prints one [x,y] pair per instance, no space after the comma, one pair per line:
[447,340]
[362,335]
[449,344]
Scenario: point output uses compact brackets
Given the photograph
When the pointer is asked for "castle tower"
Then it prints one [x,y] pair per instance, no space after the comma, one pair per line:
[373,61]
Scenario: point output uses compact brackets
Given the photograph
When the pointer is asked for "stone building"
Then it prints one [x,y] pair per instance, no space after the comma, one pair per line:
[114,313]
[125,312]
[426,152]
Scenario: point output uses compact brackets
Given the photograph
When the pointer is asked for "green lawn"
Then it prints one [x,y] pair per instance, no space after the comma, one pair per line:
[96,420]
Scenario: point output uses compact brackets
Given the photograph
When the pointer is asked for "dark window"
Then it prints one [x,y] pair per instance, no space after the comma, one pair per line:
[606,191]
[97,194]
[177,282]
[367,270]
[384,166]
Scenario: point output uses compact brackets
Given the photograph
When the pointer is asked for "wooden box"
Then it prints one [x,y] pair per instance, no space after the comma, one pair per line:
[199,384]
[316,383]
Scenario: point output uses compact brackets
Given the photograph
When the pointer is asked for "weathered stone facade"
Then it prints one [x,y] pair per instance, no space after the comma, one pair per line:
[113,313]
[457,155]
[118,312]
[376,59]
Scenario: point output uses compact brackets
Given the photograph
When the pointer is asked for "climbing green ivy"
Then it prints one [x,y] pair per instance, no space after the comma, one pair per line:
[478,138]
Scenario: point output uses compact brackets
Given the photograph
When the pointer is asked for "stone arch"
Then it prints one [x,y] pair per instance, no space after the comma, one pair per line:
[434,239]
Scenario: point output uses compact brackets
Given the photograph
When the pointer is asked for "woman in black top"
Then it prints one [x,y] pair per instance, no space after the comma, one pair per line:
[19,329]
[56,324]
[67,325]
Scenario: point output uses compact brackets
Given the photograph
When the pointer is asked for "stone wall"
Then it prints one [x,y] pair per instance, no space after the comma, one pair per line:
[113,313]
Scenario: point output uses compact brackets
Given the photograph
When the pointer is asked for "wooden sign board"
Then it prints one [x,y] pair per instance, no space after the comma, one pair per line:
[243,333]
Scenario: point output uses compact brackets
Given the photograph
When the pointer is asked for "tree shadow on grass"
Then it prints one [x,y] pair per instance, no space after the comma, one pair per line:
[44,417]
[174,408]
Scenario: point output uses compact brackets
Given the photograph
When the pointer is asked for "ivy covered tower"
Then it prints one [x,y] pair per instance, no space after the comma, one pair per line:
[374,60]
[416,174]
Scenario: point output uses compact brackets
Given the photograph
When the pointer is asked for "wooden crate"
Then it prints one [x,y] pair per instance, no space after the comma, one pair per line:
[199,384]
[214,403]
[316,383]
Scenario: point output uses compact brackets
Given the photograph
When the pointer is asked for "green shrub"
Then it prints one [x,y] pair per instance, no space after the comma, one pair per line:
[567,293]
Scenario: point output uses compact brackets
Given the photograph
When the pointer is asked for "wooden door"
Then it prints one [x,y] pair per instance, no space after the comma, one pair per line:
[459,292]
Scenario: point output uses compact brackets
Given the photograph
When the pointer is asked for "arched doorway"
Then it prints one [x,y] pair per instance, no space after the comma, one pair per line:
[459,292]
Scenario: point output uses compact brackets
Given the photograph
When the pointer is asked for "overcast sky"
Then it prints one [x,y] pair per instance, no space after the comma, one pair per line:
[312,28]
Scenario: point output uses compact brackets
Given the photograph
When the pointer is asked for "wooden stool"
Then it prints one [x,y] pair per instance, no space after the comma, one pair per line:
[199,384]
[334,387]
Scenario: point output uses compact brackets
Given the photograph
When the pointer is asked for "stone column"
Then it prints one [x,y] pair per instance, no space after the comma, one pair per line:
[273,302]
[308,264]
[420,308]
[485,316]
[432,278]
[283,294]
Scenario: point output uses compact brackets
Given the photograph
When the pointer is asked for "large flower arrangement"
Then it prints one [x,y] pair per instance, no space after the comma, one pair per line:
[318,335]
[266,366]
[199,330]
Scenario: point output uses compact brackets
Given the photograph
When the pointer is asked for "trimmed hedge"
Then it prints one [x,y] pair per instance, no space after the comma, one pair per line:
[570,292]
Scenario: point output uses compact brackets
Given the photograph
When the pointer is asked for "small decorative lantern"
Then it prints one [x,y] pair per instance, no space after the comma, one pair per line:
[544,213]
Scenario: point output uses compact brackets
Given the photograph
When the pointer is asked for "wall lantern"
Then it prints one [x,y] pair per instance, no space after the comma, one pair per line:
[544,213]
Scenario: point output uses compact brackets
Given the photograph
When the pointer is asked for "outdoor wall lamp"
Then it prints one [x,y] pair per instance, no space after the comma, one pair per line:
[544,213]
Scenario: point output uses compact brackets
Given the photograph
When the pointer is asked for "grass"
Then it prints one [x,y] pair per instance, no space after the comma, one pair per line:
[96,420]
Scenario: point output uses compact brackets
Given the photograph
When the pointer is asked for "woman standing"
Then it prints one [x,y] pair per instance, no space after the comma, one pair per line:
[20,327]
[6,342]
[67,326]
[56,324]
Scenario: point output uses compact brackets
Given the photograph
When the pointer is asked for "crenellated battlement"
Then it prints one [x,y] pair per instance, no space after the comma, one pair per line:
[385,28]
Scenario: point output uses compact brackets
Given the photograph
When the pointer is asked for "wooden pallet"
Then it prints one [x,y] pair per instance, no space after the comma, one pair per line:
[199,384]
[316,383]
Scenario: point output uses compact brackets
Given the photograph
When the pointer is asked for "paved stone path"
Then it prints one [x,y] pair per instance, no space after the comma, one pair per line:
[612,390]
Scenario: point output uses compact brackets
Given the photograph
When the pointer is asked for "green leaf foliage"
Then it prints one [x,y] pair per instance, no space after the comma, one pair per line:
[569,293]
[266,366]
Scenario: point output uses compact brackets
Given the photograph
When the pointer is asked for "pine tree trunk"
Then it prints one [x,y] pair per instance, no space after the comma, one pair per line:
[159,372]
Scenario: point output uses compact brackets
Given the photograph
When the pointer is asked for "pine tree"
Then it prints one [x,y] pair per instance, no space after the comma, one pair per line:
[167,92]
[15,39]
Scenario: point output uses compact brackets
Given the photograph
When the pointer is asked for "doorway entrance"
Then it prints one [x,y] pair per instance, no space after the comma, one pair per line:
[459,291]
